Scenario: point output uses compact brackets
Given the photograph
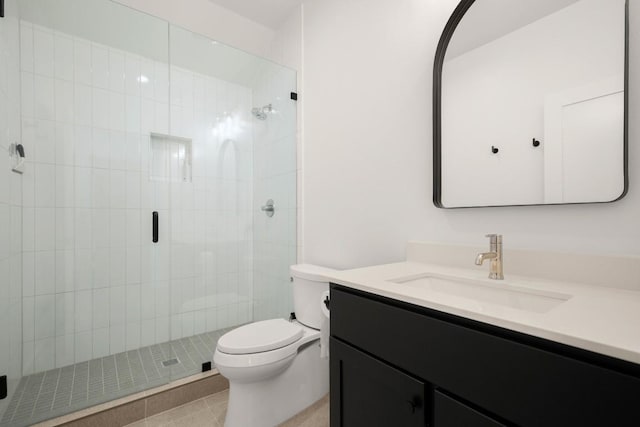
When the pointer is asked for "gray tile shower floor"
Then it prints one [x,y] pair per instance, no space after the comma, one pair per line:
[63,390]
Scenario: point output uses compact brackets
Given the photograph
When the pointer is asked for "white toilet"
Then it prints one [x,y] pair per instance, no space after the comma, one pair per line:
[274,366]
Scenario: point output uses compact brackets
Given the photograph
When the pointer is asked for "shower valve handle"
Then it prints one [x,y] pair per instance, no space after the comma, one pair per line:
[269,209]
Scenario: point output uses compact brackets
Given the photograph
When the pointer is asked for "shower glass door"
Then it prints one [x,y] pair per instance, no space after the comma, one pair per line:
[10,206]
[211,203]
[274,178]
[94,83]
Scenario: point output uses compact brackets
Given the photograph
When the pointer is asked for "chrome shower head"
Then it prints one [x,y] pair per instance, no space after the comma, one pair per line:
[260,113]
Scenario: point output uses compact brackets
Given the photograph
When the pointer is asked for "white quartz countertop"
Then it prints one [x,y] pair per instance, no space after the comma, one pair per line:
[596,318]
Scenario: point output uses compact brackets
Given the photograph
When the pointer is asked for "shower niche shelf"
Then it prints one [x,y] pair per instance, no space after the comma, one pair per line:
[171,158]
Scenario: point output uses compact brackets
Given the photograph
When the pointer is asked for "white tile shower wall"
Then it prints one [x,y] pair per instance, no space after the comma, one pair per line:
[275,178]
[94,283]
[10,204]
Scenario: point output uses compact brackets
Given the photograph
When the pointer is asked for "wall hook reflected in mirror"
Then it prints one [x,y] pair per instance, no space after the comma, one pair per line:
[494,150]
[536,143]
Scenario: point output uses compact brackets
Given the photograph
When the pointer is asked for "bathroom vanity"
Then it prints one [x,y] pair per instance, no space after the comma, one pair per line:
[406,352]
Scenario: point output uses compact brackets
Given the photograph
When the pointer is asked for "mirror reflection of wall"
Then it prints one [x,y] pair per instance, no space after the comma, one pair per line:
[532,107]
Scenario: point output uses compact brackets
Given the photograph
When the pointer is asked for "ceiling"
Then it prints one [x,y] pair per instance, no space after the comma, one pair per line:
[270,13]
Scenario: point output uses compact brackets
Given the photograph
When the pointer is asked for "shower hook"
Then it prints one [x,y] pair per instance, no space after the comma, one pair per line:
[16,151]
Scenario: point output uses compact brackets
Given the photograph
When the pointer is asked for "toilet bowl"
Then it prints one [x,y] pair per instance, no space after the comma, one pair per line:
[274,366]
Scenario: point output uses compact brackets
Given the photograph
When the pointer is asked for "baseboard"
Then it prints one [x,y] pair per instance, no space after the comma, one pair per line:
[135,407]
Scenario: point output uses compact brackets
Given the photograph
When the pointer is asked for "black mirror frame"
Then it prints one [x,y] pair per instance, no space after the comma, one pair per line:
[441,50]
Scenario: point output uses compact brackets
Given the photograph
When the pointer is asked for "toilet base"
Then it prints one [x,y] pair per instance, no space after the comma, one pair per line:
[272,401]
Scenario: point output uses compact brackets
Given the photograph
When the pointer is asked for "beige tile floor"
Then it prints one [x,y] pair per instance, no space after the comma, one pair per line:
[317,415]
[210,411]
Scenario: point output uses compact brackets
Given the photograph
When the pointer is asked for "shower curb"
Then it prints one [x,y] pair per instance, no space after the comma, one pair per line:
[138,406]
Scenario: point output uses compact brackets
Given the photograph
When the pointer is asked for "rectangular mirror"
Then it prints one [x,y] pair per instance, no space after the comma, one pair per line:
[530,103]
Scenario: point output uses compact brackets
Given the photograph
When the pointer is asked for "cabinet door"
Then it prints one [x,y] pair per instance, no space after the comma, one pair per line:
[368,392]
[448,412]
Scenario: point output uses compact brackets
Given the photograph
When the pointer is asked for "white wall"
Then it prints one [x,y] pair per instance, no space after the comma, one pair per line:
[367,164]
[207,18]
[286,46]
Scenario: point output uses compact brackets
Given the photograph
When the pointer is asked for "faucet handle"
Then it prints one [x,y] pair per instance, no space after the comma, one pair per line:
[495,238]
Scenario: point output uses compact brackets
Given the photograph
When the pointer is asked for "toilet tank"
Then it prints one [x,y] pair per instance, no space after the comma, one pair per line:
[309,282]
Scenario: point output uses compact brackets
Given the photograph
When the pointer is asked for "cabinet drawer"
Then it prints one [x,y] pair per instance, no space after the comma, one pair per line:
[366,392]
[520,383]
[448,412]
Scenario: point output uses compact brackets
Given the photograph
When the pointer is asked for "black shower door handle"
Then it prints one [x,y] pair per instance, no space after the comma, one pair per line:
[155,226]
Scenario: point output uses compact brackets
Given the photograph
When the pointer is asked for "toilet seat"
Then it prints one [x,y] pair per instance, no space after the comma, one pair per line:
[264,358]
[259,337]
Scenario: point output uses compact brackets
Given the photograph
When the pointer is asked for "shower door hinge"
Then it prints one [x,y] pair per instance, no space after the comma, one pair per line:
[294,96]
[3,382]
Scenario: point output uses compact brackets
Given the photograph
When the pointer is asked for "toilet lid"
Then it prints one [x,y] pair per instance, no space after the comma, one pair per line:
[260,336]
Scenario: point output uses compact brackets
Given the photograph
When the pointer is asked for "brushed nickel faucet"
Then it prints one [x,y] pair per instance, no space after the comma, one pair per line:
[495,255]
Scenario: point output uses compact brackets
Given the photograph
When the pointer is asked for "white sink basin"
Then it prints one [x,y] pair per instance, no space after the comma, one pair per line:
[499,293]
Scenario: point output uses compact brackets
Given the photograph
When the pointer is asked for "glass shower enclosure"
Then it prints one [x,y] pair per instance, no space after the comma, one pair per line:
[136,233]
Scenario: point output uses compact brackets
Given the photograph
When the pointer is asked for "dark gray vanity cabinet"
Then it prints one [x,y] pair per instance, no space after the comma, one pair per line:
[397,364]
